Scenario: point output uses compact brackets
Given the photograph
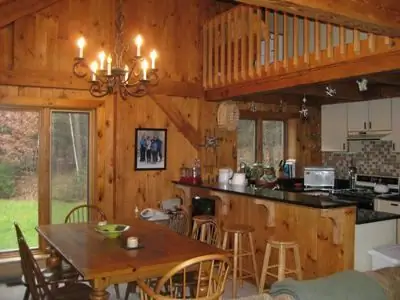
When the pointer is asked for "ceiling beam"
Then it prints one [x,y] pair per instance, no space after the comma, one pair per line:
[345,69]
[9,12]
[178,119]
[45,79]
[388,78]
[375,16]
[343,91]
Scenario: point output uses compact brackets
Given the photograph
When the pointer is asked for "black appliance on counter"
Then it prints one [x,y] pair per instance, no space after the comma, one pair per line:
[203,206]
[363,194]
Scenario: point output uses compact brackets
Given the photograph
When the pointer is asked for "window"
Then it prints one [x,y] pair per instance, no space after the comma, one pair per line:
[261,141]
[44,169]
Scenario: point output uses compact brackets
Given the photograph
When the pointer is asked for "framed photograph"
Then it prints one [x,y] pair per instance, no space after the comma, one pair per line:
[150,149]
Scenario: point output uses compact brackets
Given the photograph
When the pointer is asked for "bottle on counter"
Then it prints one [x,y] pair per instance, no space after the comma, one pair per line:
[196,172]
[352,176]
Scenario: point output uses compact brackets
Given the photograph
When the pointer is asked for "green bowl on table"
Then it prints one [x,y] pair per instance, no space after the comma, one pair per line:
[111,231]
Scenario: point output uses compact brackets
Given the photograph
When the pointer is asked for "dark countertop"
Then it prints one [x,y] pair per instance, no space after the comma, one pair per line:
[295,197]
[369,216]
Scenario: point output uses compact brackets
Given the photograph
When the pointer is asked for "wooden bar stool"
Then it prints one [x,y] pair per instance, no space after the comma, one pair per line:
[282,271]
[238,230]
[199,220]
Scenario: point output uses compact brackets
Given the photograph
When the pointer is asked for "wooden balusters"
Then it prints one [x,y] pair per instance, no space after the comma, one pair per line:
[306,42]
[249,42]
[295,41]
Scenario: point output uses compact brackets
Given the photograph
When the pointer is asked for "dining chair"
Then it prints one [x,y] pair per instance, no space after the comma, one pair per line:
[210,271]
[88,214]
[85,214]
[38,284]
[207,231]
[180,221]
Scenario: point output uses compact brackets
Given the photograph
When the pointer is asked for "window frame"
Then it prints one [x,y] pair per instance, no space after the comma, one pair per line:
[45,110]
[259,117]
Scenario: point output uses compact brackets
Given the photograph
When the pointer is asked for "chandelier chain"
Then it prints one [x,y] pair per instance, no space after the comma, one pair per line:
[127,77]
[119,47]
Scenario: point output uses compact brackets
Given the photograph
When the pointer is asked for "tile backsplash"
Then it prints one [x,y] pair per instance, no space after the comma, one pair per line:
[371,157]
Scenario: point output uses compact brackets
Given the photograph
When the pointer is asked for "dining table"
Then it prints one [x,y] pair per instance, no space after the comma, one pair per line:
[103,261]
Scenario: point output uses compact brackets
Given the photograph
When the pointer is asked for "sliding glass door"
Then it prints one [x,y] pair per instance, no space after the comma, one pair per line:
[69,162]
[45,169]
[19,149]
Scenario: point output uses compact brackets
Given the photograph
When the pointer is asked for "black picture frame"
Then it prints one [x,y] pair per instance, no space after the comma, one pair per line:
[150,149]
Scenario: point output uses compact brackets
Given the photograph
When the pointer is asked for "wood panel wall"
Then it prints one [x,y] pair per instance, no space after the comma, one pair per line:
[36,54]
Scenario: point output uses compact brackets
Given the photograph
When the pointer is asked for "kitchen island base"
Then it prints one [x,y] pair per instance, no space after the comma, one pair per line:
[325,235]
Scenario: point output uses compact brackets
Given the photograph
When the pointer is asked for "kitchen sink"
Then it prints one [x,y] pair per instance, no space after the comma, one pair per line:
[317,193]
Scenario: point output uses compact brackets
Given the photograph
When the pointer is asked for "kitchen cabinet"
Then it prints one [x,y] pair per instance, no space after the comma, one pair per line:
[369,236]
[374,115]
[395,135]
[357,116]
[380,115]
[334,127]
[392,207]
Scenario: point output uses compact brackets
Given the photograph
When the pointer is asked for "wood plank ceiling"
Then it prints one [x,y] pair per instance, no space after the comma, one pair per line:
[379,85]
[374,16]
[13,10]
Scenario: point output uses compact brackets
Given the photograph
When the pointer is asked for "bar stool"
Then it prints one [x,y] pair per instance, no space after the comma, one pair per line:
[238,230]
[198,220]
[282,271]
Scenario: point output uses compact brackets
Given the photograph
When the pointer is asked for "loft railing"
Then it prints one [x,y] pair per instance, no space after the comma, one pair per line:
[247,43]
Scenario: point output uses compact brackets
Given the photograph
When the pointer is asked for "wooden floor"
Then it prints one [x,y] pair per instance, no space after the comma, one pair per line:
[17,292]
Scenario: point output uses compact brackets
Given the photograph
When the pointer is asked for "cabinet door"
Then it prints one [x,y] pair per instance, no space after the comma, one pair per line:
[357,116]
[395,136]
[334,127]
[380,114]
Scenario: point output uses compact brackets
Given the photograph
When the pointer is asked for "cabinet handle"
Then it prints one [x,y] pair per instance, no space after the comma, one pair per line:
[344,146]
[365,125]
[370,123]
[394,204]
[393,146]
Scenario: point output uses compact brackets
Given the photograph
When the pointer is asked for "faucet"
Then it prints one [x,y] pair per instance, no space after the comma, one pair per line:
[242,167]
[276,187]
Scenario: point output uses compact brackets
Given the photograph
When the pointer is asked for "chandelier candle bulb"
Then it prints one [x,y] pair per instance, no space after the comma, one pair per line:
[93,67]
[153,56]
[126,69]
[138,43]
[145,66]
[102,57]
[81,44]
[109,61]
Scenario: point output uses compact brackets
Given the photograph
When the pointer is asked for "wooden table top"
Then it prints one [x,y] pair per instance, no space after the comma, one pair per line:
[94,256]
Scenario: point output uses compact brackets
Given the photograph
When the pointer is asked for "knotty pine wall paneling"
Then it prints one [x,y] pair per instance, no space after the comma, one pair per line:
[36,55]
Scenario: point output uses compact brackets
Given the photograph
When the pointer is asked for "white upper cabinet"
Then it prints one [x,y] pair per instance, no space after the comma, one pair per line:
[375,115]
[357,116]
[334,127]
[395,135]
[380,115]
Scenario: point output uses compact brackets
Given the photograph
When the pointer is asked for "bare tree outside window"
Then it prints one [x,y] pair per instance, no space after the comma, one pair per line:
[246,142]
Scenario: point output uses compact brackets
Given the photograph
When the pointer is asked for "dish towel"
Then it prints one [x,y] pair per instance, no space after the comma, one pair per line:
[346,285]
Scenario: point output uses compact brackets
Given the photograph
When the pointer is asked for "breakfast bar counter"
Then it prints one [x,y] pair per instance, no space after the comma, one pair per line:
[324,229]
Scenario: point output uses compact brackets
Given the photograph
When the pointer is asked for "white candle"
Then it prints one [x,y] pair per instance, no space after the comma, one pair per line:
[102,57]
[145,66]
[94,66]
[153,56]
[132,242]
[126,69]
[138,43]
[109,61]
[81,44]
